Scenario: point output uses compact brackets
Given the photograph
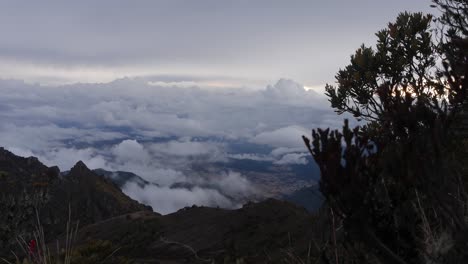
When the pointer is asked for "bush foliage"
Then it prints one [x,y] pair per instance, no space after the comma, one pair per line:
[397,183]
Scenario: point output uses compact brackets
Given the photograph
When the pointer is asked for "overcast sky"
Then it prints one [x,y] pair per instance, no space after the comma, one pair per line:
[228,42]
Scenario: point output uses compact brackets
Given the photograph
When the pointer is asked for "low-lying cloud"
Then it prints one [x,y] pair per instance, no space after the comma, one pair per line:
[161,132]
[282,137]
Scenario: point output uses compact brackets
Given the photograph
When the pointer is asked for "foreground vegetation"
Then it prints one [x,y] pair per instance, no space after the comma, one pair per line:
[396,186]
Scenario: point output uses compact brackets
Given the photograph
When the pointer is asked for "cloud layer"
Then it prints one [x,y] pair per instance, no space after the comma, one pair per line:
[173,136]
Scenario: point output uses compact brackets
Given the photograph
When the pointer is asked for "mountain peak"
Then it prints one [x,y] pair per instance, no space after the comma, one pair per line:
[80,167]
[26,183]
[4,152]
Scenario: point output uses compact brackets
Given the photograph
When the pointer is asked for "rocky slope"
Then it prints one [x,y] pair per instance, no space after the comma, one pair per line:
[271,231]
[309,197]
[28,185]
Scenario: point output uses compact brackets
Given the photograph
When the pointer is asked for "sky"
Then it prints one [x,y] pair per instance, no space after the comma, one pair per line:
[222,43]
[161,87]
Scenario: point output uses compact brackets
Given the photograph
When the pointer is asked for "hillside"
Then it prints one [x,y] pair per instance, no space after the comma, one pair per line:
[257,233]
[27,184]
[268,231]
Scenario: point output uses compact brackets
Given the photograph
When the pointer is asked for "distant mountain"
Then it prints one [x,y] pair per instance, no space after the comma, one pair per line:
[122,177]
[309,197]
[27,185]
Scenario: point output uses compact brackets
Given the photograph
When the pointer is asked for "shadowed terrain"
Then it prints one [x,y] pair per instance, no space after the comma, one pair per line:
[110,220]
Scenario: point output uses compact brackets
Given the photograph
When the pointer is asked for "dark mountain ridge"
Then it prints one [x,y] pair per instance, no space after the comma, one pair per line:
[28,185]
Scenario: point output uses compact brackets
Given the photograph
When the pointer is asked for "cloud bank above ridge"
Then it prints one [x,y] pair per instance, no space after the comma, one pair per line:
[161,131]
[36,116]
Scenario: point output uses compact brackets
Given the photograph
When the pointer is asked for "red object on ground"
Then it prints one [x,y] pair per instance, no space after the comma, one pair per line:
[32,246]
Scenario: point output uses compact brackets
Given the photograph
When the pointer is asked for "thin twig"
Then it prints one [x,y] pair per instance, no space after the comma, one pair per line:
[6,261]
[191,249]
[334,236]
[110,255]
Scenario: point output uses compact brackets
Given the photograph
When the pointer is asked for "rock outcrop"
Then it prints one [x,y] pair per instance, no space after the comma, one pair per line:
[28,186]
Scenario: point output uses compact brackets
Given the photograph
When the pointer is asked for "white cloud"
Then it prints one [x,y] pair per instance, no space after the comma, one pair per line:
[67,157]
[129,108]
[293,158]
[38,137]
[187,147]
[166,200]
[226,190]
[250,156]
[20,152]
[185,84]
[288,91]
[130,151]
[233,184]
[278,152]
[289,137]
